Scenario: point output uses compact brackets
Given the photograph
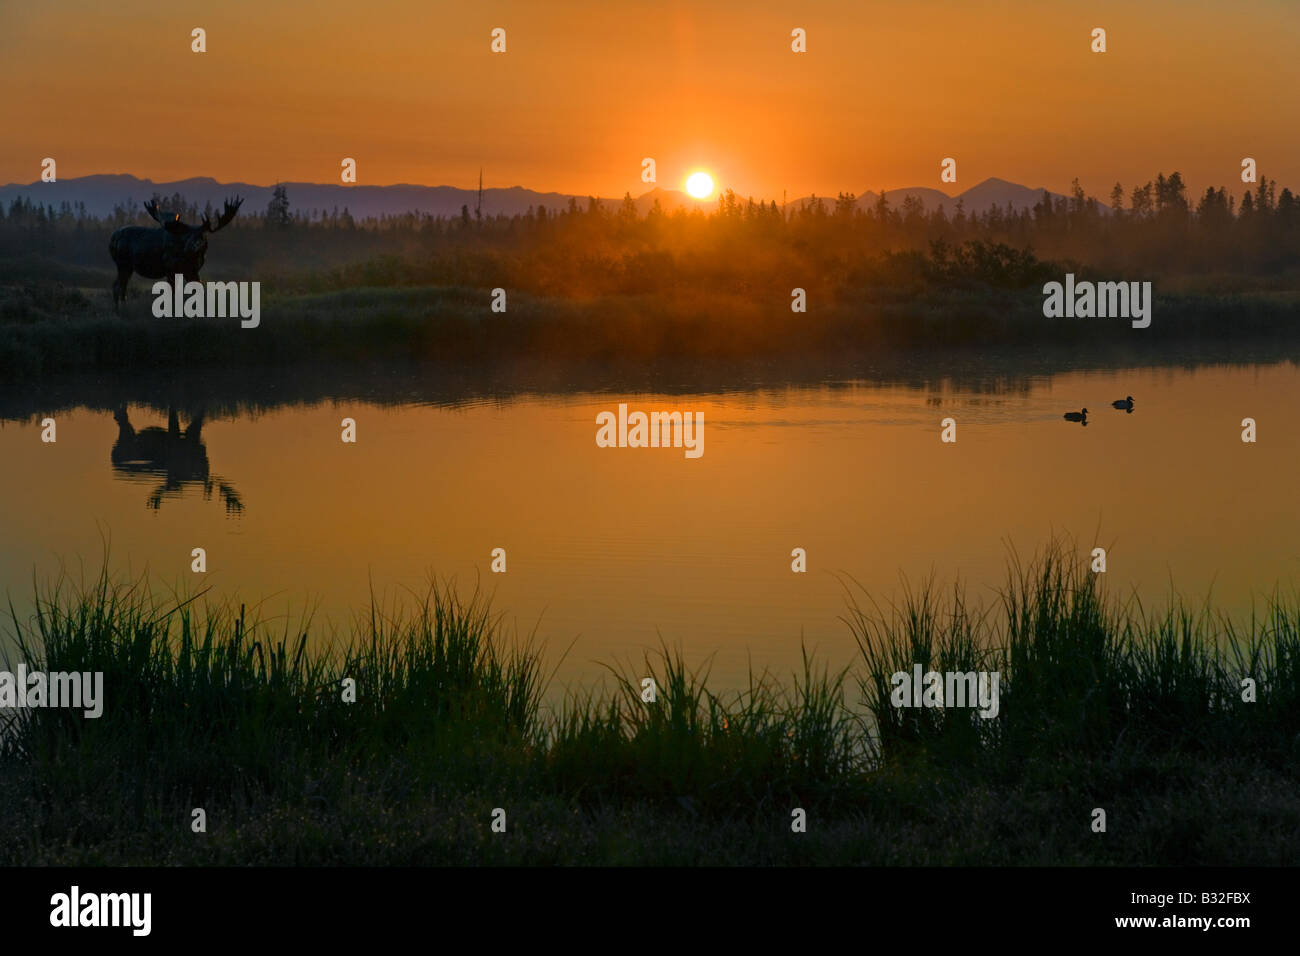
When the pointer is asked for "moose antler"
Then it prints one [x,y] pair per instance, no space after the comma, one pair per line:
[158,215]
[227,214]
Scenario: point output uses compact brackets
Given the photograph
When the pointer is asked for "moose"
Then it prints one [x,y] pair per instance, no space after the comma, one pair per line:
[174,248]
[175,455]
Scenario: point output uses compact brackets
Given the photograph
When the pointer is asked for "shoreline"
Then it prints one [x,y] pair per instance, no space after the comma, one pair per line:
[400,378]
[457,325]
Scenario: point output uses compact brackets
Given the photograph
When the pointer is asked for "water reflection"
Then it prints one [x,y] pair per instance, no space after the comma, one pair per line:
[616,549]
[176,456]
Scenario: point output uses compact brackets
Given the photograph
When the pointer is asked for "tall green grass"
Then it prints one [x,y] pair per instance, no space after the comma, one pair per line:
[1082,674]
[707,750]
[209,705]
[199,699]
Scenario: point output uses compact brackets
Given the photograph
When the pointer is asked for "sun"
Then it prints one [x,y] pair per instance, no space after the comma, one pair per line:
[700,185]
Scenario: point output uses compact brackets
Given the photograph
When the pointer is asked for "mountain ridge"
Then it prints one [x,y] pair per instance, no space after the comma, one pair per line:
[101,192]
[976,200]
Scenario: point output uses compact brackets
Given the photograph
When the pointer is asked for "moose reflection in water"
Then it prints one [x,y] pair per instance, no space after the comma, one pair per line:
[178,457]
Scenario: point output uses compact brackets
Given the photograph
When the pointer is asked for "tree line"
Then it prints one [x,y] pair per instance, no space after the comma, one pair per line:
[1152,230]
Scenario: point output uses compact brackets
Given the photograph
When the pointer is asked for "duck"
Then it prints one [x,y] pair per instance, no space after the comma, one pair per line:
[1077,416]
[1124,403]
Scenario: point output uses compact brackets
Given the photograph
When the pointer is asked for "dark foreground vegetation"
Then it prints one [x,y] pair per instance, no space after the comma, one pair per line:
[1101,705]
[603,281]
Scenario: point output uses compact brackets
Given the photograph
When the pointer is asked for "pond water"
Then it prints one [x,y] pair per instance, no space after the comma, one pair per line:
[611,550]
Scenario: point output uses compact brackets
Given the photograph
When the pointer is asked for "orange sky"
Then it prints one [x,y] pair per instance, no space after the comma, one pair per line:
[589,87]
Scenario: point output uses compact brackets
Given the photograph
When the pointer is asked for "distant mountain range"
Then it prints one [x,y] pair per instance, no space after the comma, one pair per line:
[978,199]
[101,193]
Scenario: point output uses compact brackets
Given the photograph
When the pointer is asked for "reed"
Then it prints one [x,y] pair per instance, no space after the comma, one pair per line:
[207,704]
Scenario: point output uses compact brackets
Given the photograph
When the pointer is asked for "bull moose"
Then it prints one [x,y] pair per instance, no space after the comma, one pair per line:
[176,456]
[173,248]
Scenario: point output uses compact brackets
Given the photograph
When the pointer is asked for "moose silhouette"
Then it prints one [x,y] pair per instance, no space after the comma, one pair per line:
[178,457]
[172,249]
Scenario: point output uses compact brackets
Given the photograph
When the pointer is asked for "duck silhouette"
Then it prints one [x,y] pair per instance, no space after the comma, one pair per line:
[1124,403]
[1077,416]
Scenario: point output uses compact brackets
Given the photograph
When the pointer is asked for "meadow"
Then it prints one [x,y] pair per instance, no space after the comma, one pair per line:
[53,330]
[1103,704]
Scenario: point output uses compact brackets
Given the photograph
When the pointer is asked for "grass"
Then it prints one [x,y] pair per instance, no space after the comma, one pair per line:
[47,328]
[1085,675]
[1102,704]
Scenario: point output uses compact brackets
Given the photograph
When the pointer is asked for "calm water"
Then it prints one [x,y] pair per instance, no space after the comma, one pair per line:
[611,549]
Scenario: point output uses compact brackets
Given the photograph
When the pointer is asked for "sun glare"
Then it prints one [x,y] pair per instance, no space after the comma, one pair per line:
[700,185]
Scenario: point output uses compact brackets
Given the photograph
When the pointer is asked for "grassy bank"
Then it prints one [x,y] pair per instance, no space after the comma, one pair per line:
[1101,705]
[50,328]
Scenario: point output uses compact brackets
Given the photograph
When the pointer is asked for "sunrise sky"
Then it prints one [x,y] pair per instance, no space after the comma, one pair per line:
[588,87]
